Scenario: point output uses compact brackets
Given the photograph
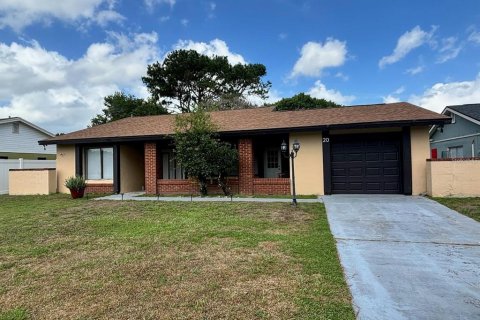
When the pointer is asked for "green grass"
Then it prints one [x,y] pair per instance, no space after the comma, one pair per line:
[85,259]
[467,206]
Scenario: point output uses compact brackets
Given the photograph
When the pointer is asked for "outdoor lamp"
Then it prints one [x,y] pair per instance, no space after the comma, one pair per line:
[296,146]
[292,155]
[284,147]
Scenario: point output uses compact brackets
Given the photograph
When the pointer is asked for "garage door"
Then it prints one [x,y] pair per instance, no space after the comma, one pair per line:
[366,163]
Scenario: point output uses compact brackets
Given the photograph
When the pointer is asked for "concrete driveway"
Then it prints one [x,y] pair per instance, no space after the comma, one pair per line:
[407,257]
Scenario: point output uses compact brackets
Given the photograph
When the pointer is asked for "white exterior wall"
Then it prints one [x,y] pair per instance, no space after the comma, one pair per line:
[26,141]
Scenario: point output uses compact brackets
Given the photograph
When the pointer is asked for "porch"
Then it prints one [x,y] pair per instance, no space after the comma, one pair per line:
[262,170]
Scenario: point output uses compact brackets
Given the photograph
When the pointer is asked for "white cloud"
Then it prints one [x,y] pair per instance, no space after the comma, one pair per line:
[184,22]
[449,49]
[390,99]
[20,14]
[319,90]
[342,76]
[407,42]
[211,6]
[151,4]
[215,47]
[315,57]
[393,97]
[414,71]
[282,36]
[61,94]
[441,95]
[474,36]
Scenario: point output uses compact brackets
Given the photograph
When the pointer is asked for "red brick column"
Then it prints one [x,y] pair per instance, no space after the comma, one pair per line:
[245,166]
[150,167]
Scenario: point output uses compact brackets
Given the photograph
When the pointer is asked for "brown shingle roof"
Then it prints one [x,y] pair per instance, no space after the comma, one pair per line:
[263,119]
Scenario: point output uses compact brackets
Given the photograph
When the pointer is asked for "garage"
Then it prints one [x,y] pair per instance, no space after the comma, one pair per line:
[366,164]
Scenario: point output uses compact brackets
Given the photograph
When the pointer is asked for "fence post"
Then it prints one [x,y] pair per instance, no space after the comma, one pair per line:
[20,163]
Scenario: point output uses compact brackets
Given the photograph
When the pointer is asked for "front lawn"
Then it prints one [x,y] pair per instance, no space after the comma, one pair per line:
[86,259]
[467,206]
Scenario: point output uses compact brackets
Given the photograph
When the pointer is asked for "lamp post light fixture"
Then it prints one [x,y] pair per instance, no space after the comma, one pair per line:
[292,155]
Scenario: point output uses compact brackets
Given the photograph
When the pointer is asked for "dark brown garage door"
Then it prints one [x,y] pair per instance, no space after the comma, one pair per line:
[366,163]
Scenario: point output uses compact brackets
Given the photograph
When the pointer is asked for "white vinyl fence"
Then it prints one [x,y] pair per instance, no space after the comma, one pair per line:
[6,165]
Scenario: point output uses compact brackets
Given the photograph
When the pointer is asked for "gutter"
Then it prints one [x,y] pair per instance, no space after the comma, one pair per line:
[255,132]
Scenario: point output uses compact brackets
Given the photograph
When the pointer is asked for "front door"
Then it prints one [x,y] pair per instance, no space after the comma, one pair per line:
[272,163]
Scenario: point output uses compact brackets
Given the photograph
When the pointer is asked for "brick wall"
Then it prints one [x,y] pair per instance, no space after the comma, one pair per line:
[245,166]
[271,186]
[151,167]
[99,188]
[175,186]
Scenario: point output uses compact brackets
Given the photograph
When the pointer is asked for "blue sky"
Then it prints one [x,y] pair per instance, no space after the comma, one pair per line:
[58,59]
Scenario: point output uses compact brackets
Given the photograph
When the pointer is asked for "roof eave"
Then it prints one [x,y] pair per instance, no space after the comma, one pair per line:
[420,122]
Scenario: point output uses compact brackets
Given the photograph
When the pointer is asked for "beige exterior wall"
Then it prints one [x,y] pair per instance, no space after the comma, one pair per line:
[32,181]
[420,152]
[65,165]
[309,163]
[132,169]
[453,178]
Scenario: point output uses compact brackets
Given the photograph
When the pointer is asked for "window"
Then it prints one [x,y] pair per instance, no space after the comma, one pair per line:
[455,152]
[3,158]
[171,169]
[15,127]
[99,163]
[41,158]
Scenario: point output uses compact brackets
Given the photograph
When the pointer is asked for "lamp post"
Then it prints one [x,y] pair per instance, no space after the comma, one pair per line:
[292,155]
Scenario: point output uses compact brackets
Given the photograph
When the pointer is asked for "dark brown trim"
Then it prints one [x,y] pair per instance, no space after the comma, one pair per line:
[327,166]
[116,168]
[34,169]
[384,124]
[78,160]
[407,161]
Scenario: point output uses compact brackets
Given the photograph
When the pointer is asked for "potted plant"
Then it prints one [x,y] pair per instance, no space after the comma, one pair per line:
[77,186]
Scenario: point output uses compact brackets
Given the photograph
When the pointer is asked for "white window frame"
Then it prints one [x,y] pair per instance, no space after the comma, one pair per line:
[456,148]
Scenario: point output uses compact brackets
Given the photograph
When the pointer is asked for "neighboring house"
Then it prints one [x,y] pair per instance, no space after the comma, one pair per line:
[461,138]
[19,139]
[362,149]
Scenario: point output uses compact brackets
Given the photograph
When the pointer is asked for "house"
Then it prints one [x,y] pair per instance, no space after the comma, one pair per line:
[461,138]
[378,148]
[19,139]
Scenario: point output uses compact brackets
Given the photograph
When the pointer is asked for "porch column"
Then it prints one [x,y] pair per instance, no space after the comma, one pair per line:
[245,166]
[150,167]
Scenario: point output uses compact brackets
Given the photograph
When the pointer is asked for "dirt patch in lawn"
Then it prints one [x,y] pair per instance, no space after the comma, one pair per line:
[182,282]
[61,259]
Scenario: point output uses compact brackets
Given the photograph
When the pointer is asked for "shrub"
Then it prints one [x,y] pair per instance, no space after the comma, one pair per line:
[75,183]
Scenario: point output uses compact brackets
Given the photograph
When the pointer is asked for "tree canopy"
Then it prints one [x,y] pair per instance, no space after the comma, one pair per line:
[304,101]
[199,151]
[187,79]
[120,105]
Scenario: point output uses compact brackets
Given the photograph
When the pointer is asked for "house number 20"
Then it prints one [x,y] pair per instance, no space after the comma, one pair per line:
[326,140]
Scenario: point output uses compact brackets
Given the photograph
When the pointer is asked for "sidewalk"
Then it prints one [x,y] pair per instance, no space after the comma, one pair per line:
[136,196]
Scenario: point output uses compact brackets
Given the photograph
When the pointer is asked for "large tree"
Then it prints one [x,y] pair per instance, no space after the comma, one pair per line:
[186,79]
[304,101]
[120,105]
[200,152]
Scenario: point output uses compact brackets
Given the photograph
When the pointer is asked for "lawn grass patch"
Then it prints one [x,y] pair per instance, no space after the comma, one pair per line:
[467,206]
[83,259]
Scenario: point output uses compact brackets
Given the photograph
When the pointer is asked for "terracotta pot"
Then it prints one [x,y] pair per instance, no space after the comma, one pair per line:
[77,193]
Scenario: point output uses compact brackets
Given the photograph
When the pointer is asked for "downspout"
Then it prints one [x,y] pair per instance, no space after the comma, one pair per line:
[473,148]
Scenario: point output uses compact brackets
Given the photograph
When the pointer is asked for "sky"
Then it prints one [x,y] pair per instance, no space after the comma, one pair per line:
[59,59]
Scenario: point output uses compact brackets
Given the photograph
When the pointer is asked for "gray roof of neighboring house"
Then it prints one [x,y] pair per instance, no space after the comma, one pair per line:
[470,110]
[18,119]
